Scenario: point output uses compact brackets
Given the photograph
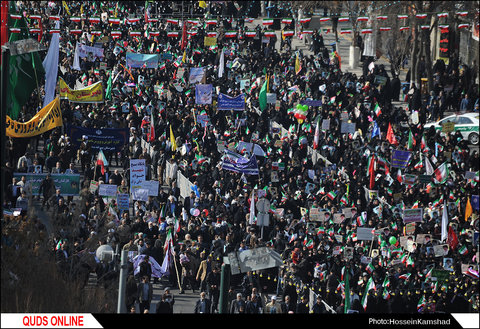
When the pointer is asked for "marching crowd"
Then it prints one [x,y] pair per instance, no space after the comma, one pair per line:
[302,170]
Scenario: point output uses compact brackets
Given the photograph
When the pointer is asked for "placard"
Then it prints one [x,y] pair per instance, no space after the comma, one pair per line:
[347,128]
[348,253]
[404,240]
[93,186]
[338,218]
[337,250]
[140,194]
[400,159]
[325,124]
[448,127]
[314,214]
[137,172]
[409,228]
[349,212]
[425,179]
[271,98]
[441,250]
[423,238]
[364,234]
[413,215]
[107,190]
[123,201]
[274,177]
[409,179]
[152,187]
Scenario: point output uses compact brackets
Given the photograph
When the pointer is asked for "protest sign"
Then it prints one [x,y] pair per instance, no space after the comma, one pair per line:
[226,102]
[89,94]
[107,190]
[347,128]
[400,159]
[413,215]
[203,94]
[134,60]
[325,124]
[448,127]
[151,186]
[93,186]
[137,173]
[271,98]
[69,184]
[314,214]
[123,201]
[106,139]
[409,179]
[364,234]
[441,250]
[209,41]
[196,74]
[46,119]
[140,194]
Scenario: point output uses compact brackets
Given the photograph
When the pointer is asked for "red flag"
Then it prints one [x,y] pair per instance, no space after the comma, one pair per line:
[452,238]
[371,171]
[4,24]
[184,36]
[391,136]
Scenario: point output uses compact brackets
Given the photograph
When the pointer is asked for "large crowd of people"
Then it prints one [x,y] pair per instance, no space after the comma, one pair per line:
[326,186]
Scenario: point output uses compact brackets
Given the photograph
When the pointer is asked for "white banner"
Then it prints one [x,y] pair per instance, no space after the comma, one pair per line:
[107,190]
[137,172]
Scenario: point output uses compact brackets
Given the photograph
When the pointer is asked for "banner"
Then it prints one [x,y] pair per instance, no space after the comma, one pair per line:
[400,159]
[226,102]
[149,61]
[69,184]
[123,201]
[46,119]
[413,215]
[88,51]
[137,173]
[209,41]
[311,102]
[90,94]
[106,139]
[203,94]
[249,167]
[196,74]
[107,190]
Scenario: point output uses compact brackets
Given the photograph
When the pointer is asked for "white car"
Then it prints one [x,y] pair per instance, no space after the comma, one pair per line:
[466,123]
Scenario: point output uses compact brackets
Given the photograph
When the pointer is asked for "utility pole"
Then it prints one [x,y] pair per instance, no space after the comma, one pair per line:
[121,307]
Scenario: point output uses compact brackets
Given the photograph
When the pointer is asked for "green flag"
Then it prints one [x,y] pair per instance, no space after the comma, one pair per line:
[347,292]
[262,96]
[25,71]
[108,91]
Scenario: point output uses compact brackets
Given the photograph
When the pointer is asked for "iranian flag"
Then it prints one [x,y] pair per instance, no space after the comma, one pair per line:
[38,31]
[36,17]
[404,28]
[94,20]
[54,18]
[463,250]
[211,22]
[423,142]
[385,28]
[15,30]
[421,303]
[55,31]
[443,27]
[366,31]
[324,19]
[193,21]
[362,19]
[331,195]
[405,276]
[76,31]
[102,161]
[288,33]
[345,31]
[114,21]
[154,34]
[307,32]
[250,33]
[316,137]
[362,219]
[441,173]
[383,17]
[172,21]
[269,34]
[305,20]
[411,141]
[212,34]
[370,285]
[135,33]
[287,21]
[172,34]
[267,21]
[463,25]
[15,16]
[377,110]
[116,34]
[320,230]
[386,282]
[343,19]
[424,27]
[230,34]
[309,244]
[96,32]
[249,19]
[421,15]
[399,175]
[402,16]
[75,19]
[370,268]
[462,13]
[442,14]
[133,20]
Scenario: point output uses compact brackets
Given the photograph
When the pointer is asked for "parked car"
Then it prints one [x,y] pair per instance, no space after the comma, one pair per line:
[467,124]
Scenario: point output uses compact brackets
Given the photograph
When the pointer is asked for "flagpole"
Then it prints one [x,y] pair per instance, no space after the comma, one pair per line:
[176,269]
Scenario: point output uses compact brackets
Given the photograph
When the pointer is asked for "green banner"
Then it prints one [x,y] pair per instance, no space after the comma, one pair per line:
[69,184]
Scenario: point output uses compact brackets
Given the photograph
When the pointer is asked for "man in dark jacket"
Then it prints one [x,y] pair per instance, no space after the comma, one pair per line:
[203,305]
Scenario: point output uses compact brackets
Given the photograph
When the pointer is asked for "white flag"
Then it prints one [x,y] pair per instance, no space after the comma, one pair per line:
[221,65]
[50,64]
[444,222]
[428,167]
[76,59]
